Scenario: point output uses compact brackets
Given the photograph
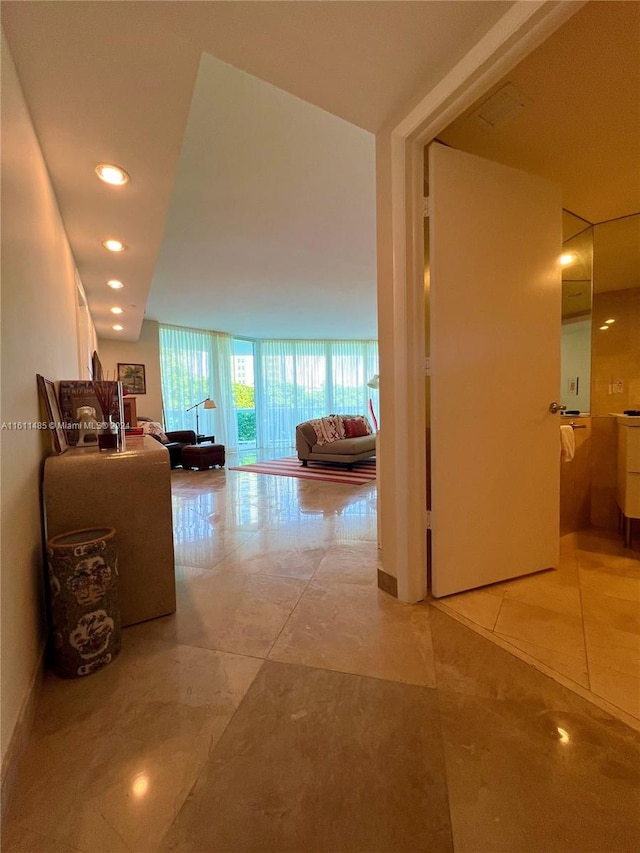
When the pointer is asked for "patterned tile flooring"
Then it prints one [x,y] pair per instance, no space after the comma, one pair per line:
[289,706]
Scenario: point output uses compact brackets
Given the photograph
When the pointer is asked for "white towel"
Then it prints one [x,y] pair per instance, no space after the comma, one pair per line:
[567,443]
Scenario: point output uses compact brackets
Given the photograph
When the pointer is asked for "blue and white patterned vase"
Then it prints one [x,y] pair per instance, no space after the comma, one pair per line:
[84,607]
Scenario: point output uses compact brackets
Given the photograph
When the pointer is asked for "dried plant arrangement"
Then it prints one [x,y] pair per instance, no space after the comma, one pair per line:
[106,394]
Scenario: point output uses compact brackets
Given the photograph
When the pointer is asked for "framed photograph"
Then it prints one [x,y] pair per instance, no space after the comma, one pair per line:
[47,392]
[132,378]
[75,394]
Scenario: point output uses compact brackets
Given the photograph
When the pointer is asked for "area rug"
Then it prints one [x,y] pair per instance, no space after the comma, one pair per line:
[363,472]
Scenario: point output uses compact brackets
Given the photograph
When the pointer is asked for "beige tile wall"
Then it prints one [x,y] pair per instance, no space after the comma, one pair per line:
[604,452]
[615,355]
[588,484]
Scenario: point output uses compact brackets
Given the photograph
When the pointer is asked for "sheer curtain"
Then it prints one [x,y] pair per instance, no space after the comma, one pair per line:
[227,421]
[299,380]
[295,381]
[196,364]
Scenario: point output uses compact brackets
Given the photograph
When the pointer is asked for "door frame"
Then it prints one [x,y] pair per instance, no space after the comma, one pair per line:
[401,279]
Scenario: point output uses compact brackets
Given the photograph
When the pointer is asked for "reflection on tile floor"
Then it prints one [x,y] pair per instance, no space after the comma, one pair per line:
[582,620]
[289,706]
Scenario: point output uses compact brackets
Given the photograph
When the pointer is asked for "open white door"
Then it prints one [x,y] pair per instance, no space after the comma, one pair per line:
[495,237]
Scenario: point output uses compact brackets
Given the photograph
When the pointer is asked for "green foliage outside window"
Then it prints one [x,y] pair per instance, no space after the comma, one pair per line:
[246,426]
[244,396]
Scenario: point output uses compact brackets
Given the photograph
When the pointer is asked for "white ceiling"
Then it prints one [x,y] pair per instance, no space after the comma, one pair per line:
[271,226]
[580,129]
[581,125]
[113,82]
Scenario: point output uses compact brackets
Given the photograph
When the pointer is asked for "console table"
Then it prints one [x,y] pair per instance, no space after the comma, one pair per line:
[131,491]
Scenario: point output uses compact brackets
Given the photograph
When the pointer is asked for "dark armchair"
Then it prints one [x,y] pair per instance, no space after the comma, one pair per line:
[178,439]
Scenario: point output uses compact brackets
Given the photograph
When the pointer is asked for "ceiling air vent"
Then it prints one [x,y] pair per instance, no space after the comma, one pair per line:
[500,107]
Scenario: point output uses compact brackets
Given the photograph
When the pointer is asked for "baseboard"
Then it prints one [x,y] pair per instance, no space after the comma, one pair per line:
[20,736]
[387,583]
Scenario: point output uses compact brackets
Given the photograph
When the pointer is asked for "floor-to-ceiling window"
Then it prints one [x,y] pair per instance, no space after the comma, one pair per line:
[299,380]
[196,364]
[262,388]
[244,391]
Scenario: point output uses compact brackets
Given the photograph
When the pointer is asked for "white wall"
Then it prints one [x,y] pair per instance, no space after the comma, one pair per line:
[146,350]
[38,336]
[87,338]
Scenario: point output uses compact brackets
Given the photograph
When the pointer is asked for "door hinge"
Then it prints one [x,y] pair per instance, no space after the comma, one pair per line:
[425,207]
[428,519]
[427,366]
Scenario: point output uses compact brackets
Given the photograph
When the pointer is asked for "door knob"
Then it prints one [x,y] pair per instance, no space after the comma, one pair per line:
[554,408]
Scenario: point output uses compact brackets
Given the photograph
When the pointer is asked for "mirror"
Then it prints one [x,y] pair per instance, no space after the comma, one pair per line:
[577,275]
[616,316]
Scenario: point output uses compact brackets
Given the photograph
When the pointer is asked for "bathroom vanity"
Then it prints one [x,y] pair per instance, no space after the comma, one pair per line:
[628,471]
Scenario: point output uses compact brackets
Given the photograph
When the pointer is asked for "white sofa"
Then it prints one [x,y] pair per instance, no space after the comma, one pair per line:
[346,451]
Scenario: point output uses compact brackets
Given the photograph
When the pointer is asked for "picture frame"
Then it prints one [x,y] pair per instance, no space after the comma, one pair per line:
[49,399]
[132,377]
[96,367]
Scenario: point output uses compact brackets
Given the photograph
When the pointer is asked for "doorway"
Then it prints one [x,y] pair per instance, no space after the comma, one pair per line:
[578,622]
[400,157]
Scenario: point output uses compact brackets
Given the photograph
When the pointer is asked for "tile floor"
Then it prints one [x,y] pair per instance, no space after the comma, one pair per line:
[289,706]
[582,621]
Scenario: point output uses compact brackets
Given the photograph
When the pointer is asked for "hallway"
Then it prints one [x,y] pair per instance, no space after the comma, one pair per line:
[289,706]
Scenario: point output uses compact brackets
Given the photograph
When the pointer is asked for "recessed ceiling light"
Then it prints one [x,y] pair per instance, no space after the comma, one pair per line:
[111,174]
[114,245]
[115,284]
[567,258]
[117,327]
[116,310]
[609,322]
[604,328]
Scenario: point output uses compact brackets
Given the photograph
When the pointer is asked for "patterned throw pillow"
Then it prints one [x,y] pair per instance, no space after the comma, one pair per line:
[356,426]
[328,429]
[155,429]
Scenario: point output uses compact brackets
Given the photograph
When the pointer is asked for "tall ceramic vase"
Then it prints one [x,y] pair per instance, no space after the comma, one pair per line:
[84,607]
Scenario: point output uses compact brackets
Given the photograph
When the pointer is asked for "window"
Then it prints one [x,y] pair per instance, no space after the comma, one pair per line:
[244,391]
[262,389]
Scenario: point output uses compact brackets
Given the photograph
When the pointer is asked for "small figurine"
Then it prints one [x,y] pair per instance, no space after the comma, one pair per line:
[88,436]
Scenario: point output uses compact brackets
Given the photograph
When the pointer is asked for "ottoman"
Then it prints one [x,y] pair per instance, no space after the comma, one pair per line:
[202,456]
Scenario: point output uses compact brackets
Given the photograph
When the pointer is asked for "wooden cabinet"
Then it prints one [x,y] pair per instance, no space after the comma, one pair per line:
[629,471]
[130,416]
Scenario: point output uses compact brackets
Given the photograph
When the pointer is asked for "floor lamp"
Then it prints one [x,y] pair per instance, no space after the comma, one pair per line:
[374,382]
[208,404]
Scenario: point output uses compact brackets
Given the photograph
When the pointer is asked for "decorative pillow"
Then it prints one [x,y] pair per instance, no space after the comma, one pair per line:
[328,429]
[339,424]
[155,429]
[356,426]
